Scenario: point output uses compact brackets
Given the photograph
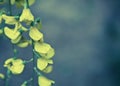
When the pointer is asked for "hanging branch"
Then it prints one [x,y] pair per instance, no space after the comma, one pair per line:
[42,51]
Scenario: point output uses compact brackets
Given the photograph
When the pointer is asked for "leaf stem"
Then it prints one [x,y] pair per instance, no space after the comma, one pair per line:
[37,72]
[33,63]
[26,4]
[8,73]
[10,9]
[27,82]
[25,62]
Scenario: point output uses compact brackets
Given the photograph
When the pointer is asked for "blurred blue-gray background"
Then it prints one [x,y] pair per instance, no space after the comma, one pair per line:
[86,37]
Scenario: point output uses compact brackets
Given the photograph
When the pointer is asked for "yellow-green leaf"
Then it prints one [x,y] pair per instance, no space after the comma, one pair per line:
[1,31]
[35,34]
[16,40]
[49,54]
[43,81]
[23,43]
[41,63]
[48,69]
[10,33]
[16,66]
[9,19]
[2,76]
[12,2]
[26,16]
[42,47]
